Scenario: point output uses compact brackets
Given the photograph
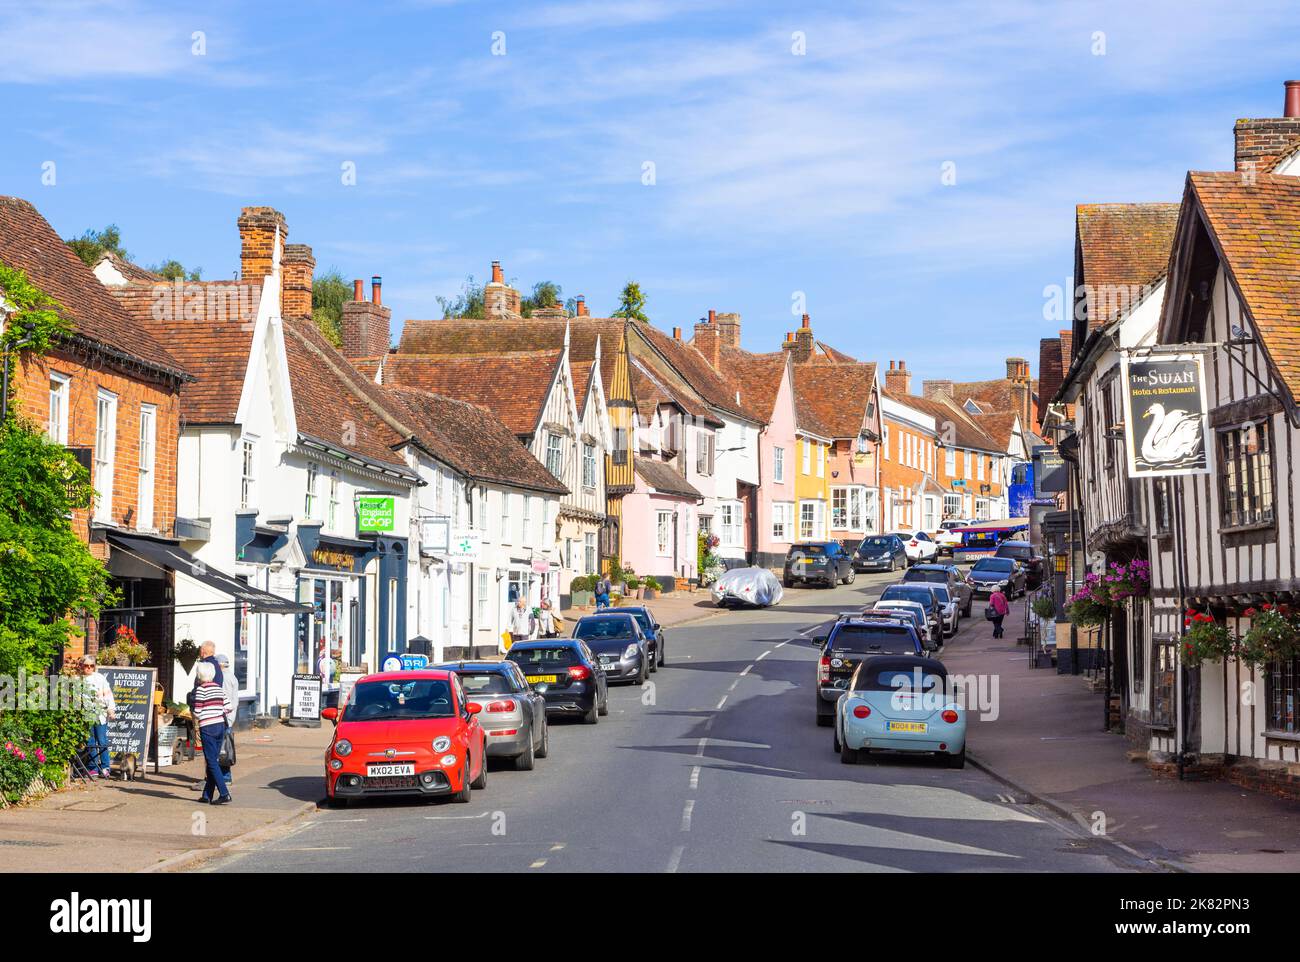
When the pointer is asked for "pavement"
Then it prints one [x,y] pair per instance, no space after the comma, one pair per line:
[1047,743]
[671,608]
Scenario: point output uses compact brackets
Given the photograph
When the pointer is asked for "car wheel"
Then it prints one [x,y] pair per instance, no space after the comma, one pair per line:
[590,718]
[848,756]
[544,748]
[481,782]
[604,704]
[641,675]
[849,578]
[825,721]
[893,565]
[663,656]
[463,795]
[654,662]
[958,760]
[836,740]
[524,760]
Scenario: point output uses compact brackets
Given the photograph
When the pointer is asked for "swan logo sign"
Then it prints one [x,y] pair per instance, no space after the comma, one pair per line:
[1165,424]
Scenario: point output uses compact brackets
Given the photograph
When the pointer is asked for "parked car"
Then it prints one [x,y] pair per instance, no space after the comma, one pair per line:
[618,643]
[513,716]
[951,609]
[1029,559]
[900,704]
[918,545]
[997,574]
[566,674]
[927,598]
[821,562]
[850,640]
[405,733]
[943,574]
[949,536]
[746,586]
[915,613]
[656,638]
[882,552]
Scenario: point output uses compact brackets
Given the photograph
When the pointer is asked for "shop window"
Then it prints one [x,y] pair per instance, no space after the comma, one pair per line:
[1164,693]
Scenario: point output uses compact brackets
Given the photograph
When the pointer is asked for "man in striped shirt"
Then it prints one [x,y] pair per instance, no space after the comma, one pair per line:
[210,707]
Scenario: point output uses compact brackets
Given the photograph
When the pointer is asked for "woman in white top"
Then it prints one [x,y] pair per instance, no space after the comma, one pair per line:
[106,711]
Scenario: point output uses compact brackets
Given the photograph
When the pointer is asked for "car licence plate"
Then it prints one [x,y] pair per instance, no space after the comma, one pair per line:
[896,726]
[538,679]
[390,769]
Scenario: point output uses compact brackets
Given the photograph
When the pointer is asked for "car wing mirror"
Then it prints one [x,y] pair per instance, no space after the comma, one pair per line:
[330,714]
[473,708]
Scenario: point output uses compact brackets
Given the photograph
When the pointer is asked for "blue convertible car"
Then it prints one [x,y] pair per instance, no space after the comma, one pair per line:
[901,703]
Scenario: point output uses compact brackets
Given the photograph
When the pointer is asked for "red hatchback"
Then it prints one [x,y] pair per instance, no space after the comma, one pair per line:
[405,733]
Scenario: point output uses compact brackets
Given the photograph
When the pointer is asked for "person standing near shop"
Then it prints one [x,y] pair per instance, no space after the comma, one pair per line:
[230,685]
[210,708]
[521,622]
[1001,608]
[100,761]
[546,627]
[602,593]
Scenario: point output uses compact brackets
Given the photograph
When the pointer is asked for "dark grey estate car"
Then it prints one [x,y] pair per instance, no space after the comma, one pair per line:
[820,562]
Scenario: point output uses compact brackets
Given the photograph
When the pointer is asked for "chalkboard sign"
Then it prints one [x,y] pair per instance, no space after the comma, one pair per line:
[128,733]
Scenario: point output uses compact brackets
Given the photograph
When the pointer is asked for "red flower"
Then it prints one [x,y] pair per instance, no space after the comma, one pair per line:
[1249,612]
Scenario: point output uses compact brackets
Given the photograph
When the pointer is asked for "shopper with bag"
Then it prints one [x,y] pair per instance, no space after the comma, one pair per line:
[230,685]
[100,764]
[521,622]
[210,707]
[998,609]
[602,593]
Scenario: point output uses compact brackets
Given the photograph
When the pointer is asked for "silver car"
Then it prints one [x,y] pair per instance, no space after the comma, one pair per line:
[512,714]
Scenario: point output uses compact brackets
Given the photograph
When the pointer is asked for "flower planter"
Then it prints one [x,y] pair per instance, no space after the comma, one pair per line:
[583,599]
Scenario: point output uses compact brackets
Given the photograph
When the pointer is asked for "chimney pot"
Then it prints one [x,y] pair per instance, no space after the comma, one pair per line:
[498,276]
[789,336]
[677,333]
[376,285]
[358,290]
[581,303]
[712,316]
[806,321]
[1291,105]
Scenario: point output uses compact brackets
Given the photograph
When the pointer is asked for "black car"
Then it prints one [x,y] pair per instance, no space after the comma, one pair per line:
[922,594]
[944,575]
[618,643]
[997,574]
[566,674]
[850,640]
[821,562]
[1029,559]
[884,552]
[654,633]
[513,715]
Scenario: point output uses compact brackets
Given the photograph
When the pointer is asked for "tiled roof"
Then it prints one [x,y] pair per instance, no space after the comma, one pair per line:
[836,395]
[1125,248]
[966,432]
[133,273]
[1052,365]
[696,371]
[757,377]
[1258,229]
[650,388]
[212,343]
[1000,425]
[514,386]
[27,242]
[472,440]
[830,354]
[991,396]
[662,477]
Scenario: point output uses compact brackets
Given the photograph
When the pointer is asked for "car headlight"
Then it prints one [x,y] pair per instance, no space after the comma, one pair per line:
[447,761]
[441,743]
[630,651]
[342,748]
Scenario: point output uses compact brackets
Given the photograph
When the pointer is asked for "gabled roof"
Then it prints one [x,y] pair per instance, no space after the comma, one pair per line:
[514,385]
[836,395]
[999,425]
[1123,248]
[1256,228]
[650,388]
[202,334]
[966,432]
[133,273]
[757,377]
[663,478]
[696,371]
[27,242]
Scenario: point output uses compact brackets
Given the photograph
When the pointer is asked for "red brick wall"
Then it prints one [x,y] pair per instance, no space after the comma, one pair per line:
[299,266]
[1261,142]
[365,329]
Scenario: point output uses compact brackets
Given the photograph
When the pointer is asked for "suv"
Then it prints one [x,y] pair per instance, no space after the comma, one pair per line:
[881,552]
[851,639]
[944,575]
[919,546]
[1029,559]
[823,562]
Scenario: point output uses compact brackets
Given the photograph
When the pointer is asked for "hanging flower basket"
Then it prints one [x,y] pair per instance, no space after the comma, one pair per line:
[1274,635]
[187,653]
[1205,640]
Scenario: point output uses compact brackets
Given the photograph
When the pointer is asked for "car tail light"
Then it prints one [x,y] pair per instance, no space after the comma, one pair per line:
[861,711]
[579,672]
[506,731]
[914,544]
[507,705]
[949,716]
[824,669]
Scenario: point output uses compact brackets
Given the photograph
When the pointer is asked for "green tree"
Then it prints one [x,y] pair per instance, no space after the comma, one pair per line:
[174,270]
[631,302]
[47,574]
[468,303]
[329,292]
[93,244]
[545,294]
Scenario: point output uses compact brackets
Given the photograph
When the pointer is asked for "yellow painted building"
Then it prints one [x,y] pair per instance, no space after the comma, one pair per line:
[812,485]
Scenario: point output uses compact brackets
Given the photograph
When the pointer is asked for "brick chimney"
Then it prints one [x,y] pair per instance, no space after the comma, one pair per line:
[707,341]
[932,389]
[365,323]
[802,348]
[1261,143]
[898,380]
[581,306]
[677,333]
[729,329]
[261,229]
[299,267]
[501,302]
[1016,368]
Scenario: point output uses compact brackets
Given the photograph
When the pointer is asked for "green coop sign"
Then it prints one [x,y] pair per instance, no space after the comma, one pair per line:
[375,514]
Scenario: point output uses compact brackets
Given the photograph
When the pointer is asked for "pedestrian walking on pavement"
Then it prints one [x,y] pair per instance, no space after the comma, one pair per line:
[210,708]
[230,685]
[546,627]
[1001,608]
[602,593]
[100,761]
[521,622]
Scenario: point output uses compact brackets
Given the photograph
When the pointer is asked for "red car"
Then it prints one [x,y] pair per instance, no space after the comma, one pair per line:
[405,733]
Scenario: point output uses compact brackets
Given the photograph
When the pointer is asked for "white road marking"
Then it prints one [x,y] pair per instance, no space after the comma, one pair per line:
[734,684]
[708,725]
[695,777]
[538,864]
[455,818]
[746,671]
[784,643]
[721,703]
[763,655]
[558,846]
[699,752]
[686,814]
[675,859]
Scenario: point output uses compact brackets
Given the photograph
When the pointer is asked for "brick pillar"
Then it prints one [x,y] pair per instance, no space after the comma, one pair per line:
[299,271]
[898,380]
[365,326]
[260,229]
[803,341]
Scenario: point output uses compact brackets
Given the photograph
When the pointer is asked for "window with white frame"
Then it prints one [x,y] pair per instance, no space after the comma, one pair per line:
[884,441]
[439,494]
[148,445]
[951,505]
[812,520]
[807,456]
[483,600]
[505,517]
[968,473]
[982,509]
[979,467]
[60,391]
[588,464]
[839,509]
[950,461]
[730,531]
[457,500]
[554,454]
[484,519]
[311,504]
[332,517]
[778,465]
[870,509]
[821,460]
[782,520]
[589,552]
[930,507]
[105,453]
[663,531]
[526,532]
[248,473]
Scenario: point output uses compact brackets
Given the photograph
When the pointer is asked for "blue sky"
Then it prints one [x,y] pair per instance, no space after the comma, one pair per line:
[775,173]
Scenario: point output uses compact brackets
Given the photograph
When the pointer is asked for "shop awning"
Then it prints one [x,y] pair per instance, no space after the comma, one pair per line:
[173,557]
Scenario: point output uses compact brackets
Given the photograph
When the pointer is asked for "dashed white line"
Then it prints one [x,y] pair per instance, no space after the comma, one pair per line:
[538,864]
[763,655]
[734,684]
[675,859]
[686,814]
[695,777]
[746,671]
[721,703]
[699,752]
[558,846]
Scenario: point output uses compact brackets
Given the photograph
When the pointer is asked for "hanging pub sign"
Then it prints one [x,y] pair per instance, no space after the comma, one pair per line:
[1166,426]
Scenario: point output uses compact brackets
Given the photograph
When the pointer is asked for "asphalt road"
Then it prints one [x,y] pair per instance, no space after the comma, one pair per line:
[718,766]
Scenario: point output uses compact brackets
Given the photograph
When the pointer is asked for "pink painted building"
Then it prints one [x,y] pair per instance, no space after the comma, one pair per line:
[766,383]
